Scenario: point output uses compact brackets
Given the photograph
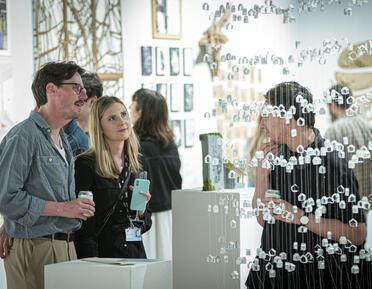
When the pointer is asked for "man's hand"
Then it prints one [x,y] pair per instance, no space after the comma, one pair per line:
[78,209]
[75,209]
[6,243]
[289,208]
[262,173]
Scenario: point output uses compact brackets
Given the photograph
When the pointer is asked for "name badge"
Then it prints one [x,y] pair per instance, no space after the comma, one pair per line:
[133,234]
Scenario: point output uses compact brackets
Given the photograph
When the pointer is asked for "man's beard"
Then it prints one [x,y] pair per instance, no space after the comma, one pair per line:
[333,117]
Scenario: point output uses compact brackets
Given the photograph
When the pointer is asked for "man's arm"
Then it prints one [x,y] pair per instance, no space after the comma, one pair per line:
[262,179]
[75,209]
[18,205]
[355,234]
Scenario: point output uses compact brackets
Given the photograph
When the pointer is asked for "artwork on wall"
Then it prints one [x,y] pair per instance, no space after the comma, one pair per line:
[188,97]
[89,34]
[161,61]
[175,97]
[162,88]
[146,60]
[177,131]
[3,27]
[174,61]
[166,19]
[187,62]
[189,129]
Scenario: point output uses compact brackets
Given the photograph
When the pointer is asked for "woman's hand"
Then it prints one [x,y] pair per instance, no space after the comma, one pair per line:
[147,195]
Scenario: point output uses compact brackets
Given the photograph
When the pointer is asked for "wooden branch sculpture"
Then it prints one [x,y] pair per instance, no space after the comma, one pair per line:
[211,42]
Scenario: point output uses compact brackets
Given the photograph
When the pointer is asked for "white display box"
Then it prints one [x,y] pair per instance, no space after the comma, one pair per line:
[198,233]
[99,273]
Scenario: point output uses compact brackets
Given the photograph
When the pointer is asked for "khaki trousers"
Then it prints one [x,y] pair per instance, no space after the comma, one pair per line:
[24,266]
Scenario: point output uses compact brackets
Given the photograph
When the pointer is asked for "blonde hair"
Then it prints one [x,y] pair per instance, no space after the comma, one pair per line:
[105,165]
[257,139]
[256,142]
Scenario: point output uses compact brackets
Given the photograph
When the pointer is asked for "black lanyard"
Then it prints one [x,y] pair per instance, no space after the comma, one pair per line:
[123,191]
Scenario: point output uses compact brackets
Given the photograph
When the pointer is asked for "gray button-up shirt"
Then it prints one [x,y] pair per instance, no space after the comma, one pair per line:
[32,172]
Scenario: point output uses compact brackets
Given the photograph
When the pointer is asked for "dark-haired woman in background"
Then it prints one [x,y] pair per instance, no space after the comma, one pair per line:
[149,114]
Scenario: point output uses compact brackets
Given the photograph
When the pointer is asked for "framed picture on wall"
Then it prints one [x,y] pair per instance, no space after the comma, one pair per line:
[189,129]
[188,62]
[175,97]
[161,61]
[162,88]
[177,131]
[146,60]
[166,19]
[4,41]
[174,61]
[188,97]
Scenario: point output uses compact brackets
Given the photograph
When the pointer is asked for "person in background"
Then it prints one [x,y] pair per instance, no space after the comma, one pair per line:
[296,222]
[351,131]
[108,169]
[77,129]
[149,114]
[37,192]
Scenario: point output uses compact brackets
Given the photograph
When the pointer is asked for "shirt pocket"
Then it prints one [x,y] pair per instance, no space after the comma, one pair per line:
[54,170]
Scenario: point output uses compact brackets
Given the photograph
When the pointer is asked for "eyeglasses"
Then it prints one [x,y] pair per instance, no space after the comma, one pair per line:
[76,87]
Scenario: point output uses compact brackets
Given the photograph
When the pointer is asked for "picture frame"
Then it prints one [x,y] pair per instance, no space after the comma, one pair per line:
[188,97]
[166,19]
[146,60]
[174,61]
[4,29]
[175,97]
[189,129]
[161,61]
[162,88]
[188,62]
[177,131]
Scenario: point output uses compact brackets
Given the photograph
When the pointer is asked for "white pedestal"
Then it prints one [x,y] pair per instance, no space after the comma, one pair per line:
[81,274]
[198,233]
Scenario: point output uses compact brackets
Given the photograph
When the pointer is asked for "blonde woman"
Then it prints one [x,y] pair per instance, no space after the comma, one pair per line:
[108,169]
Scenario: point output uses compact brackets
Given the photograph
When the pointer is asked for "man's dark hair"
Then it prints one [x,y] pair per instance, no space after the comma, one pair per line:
[285,93]
[341,92]
[154,120]
[92,84]
[52,72]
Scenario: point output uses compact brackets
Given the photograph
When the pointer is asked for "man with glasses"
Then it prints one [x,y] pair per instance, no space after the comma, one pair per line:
[37,192]
[77,129]
[307,199]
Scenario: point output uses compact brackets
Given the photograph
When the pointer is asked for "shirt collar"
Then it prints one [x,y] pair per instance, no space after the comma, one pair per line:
[40,121]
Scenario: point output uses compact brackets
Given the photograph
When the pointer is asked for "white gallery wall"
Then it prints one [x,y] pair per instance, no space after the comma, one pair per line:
[18,62]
